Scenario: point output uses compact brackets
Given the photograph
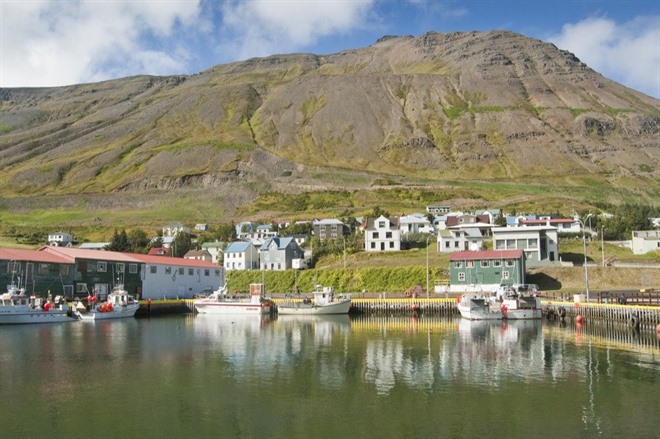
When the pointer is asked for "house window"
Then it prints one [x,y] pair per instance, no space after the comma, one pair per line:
[388,235]
[217,273]
[181,271]
[190,272]
[64,270]
[485,264]
[461,277]
[101,266]
[373,245]
[120,267]
[522,243]
[510,244]
[391,244]
[500,244]
[153,269]
[458,264]
[168,270]
[207,272]
[533,243]
[456,244]
[381,224]
[497,263]
[375,235]
[81,288]
[510,263]
[469,264]
[43,269]
[505,275]
[132,268]
[447,244]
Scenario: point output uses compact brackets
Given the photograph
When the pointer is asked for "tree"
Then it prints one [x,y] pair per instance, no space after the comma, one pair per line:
[181,245]
[119,242]
[139,241]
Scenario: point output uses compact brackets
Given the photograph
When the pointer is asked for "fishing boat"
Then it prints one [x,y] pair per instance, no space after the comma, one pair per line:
[519,301]
[219,302]
[118,305]
[17,308]
[479,306]
[323,302]
[511,302]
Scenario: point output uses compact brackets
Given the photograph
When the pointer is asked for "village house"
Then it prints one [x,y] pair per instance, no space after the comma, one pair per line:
[485,270]
[456,239]
[199,255]
[329,229]
[60,239]
[415,223]
[215,249]
[645,241]
[281,254]
[241,255]
[382,234]
[540,244]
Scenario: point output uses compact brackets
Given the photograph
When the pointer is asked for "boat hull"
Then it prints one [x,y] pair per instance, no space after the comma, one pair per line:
[232,308]
[310,309]
[117,313]
[30,317]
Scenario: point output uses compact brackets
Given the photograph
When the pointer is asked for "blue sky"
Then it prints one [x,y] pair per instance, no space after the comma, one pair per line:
[61,42]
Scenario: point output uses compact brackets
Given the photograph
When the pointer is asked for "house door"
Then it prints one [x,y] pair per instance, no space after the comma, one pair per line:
[382,246]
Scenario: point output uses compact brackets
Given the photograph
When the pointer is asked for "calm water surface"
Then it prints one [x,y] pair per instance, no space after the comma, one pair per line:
[293,377]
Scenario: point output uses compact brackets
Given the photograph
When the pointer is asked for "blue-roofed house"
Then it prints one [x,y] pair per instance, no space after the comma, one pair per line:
[240,255]
[280,254]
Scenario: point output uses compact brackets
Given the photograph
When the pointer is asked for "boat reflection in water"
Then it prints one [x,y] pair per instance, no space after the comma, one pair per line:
[488,351]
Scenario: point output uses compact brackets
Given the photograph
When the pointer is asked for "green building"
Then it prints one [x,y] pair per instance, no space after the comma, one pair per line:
[486,270]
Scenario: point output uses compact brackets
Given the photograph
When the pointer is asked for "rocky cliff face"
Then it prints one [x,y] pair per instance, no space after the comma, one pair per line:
[489,106]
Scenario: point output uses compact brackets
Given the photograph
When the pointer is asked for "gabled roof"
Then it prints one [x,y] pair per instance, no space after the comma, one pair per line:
[237,247]
[486,254]
[327,222]
[281,243]
[19,254]
[77,253]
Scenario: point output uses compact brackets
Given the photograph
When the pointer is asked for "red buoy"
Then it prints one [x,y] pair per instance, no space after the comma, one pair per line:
[579,319]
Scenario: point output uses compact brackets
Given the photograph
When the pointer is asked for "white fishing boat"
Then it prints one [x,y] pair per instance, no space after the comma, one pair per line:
[17,308]
[511,302]
[519,302]
[222,303]
[323,302]
[118,305]
[479,306]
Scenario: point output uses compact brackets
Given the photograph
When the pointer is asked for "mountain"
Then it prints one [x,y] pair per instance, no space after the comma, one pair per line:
[489,106]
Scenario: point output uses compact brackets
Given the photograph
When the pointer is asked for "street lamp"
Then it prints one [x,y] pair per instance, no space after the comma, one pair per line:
[427,263]
[584,245]
[602,244]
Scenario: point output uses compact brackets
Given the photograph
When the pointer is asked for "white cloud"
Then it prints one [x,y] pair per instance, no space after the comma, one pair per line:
[625,52]
[48,43]
[262,27]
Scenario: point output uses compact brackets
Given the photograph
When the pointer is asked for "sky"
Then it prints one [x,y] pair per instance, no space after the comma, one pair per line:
[63,42]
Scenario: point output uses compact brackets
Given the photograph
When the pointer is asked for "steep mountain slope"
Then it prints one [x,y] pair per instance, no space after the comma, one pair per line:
[485,106]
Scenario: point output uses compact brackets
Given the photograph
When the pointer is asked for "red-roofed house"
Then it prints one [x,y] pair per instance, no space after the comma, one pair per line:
[485,270]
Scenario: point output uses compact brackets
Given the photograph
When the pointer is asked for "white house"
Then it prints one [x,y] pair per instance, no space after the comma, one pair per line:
[60,239]
[382,234]
[415,223]
[538,243]
[645,241]
[216,249]
[563,225]
[241,255]
[172,229]
[437,208]
[459,239]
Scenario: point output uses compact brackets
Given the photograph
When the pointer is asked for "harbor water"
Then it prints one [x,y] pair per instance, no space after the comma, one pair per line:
[327,377]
